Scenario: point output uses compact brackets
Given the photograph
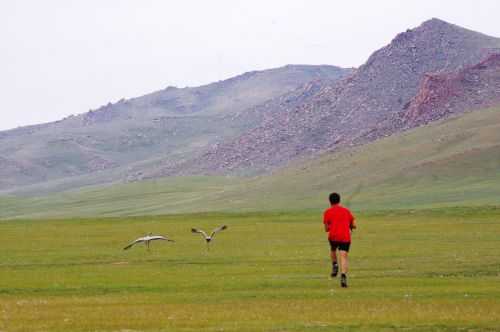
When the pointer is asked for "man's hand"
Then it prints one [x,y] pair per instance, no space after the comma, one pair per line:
[353,225]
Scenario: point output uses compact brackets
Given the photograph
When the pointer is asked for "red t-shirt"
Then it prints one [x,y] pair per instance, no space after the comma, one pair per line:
[339,219]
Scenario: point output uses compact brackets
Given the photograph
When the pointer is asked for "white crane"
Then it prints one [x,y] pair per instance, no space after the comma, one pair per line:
[207,237]
[146,239]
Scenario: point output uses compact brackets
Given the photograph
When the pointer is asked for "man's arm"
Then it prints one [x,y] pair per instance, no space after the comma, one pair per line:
[326,223]
[353,223]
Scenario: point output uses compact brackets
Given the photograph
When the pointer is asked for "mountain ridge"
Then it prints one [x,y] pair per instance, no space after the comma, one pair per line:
[358,109]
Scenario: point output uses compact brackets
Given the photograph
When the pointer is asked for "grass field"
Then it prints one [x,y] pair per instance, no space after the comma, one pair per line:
[432,270]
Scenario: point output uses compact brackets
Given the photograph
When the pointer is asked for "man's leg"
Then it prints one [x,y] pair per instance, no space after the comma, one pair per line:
[335,266]
[333,255]
[343,261]
[343,268]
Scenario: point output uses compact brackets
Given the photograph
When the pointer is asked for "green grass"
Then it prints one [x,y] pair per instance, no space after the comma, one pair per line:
[432,270]
[169,195]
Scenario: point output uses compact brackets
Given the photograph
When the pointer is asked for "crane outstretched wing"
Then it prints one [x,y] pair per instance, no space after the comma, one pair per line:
[160,237]
[194,230]
[218,229]
[132,244]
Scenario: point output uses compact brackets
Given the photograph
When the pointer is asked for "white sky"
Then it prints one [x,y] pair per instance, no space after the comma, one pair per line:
[61,57]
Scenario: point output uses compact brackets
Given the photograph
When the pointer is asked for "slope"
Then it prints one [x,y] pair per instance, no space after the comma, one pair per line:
[454,162]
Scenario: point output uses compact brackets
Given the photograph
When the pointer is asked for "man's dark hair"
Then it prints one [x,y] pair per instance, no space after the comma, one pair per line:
[334,198]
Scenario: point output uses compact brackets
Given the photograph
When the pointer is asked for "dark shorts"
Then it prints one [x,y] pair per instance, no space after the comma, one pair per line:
[344,246]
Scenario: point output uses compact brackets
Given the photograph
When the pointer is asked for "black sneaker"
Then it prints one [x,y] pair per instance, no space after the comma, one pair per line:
[343,281]
[335,271]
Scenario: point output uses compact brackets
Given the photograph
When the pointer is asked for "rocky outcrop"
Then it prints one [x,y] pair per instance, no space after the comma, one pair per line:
[440,95]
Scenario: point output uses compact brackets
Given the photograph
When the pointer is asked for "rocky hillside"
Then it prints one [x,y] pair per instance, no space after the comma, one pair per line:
[448,163]
[120,139]
[361,108]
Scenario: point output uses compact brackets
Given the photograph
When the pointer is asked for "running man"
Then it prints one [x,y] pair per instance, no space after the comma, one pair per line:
[339,222]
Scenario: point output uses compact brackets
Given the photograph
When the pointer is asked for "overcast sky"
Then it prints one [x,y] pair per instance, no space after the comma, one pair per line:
[62,57]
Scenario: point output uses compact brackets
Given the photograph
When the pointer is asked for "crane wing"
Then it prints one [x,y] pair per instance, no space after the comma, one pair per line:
[194,230]
[218,229]
[159,237]
[131,244]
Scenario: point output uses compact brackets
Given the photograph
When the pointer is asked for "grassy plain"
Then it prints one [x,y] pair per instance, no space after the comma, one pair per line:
[429,270]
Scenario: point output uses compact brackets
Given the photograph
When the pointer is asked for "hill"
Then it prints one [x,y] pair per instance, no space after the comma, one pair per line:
[452,162]
[118,141]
